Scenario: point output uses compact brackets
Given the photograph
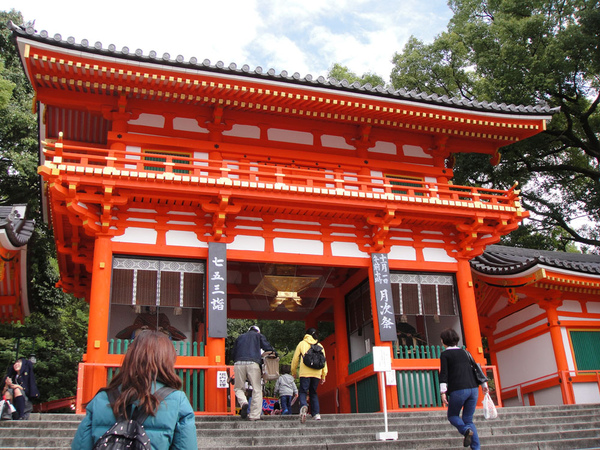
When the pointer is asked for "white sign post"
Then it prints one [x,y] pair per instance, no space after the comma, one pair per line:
[382,362]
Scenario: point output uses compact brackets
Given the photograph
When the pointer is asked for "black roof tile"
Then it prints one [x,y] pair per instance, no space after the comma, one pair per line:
[331,83]
[18,229]
[501,260]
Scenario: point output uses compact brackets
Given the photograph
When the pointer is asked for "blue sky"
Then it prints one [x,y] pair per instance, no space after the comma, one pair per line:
[302,36]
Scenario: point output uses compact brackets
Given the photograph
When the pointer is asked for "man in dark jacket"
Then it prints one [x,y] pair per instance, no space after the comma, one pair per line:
[246,357]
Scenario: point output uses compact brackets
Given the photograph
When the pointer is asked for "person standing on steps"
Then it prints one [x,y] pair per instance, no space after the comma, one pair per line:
[310,377]
[246,356]
[147,369]
[459,389]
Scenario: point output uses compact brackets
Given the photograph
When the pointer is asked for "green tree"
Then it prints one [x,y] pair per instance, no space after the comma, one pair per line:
[540,51]
[340,73]
[56,329]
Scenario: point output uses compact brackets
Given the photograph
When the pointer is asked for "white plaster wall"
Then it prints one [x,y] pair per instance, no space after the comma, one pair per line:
[403,253]
[132,149]
[294,137]
[593,307]
[328,140]
[358,344]
[244,131]
[415,151]
[526,361]
[522,329]
[186,124]
[149,120]
[437,255]
[550,396]
[184,239]
[252,243]
[137,235]
[586,393]
[514,401]
[567,346]
[389,148]
[570,306]
[348,249]
[298,246]
[518,318]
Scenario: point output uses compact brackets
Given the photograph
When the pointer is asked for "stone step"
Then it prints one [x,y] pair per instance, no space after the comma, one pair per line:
[547,427]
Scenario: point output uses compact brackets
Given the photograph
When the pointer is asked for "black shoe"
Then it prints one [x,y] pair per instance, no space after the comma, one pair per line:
[244,411]
[468,438]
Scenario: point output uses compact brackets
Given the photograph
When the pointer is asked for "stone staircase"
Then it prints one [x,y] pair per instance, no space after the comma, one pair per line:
[540,427]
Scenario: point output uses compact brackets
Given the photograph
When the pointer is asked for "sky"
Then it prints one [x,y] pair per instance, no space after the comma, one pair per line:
[303,36]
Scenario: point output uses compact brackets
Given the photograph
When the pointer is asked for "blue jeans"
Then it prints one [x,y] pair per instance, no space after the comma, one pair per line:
[309,385]
[285,401]
[465,400]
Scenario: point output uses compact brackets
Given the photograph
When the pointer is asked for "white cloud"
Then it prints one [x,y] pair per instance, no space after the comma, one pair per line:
[305,36]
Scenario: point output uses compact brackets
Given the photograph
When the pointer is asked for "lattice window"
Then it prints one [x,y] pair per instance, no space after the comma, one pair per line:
[423,294]
[405,180]
[160,156]
[146,282]
[586,347]
[358,303]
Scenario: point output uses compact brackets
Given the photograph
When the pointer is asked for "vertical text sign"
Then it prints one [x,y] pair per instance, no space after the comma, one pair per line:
[217,290]
[383,292]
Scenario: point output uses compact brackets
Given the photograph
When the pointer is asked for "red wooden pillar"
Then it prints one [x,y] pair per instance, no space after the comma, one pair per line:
[342,352]
[468,309]
[216,399]
[97,344]
[557,345]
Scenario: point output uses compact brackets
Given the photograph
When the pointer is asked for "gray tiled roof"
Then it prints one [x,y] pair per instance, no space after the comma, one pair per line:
[258,72]
[500,260]
[18,229]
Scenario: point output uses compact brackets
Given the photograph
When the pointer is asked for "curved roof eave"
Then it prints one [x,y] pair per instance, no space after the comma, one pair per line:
[498,260]
[296,79]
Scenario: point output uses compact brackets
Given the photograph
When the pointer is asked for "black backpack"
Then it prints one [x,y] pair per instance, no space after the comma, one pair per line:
[129,434]
[314,357]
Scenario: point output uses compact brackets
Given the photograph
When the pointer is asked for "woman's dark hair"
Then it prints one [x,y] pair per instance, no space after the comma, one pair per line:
[449,337]
[150,358]
[313,332]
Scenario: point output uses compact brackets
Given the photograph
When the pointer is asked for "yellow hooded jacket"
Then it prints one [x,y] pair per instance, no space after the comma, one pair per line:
[305,371]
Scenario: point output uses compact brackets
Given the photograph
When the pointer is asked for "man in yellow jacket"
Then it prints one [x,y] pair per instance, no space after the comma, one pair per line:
[309,377]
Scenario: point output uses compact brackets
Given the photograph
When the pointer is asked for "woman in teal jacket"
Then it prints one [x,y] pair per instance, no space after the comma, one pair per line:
[148,365]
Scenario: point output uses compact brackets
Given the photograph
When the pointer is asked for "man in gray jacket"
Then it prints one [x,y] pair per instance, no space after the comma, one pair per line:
[246,357]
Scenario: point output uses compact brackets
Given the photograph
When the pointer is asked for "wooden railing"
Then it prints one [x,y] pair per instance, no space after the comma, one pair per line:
[244,174]
[417,381]
[182,348]
[417,351]
[192,375]
[565,379]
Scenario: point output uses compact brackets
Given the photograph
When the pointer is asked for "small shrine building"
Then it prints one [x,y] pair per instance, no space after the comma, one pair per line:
[183,193]
[15,233]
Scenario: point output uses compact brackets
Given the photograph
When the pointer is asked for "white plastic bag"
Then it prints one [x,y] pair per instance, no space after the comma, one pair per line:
[489,409]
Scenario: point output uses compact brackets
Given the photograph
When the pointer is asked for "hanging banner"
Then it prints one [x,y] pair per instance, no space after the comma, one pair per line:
[383,292]
[217,290]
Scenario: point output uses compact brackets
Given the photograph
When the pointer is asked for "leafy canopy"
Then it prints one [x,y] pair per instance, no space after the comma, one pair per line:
[540,51]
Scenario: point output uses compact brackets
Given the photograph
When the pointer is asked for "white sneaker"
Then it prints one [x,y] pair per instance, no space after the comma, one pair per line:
[303,412]
[317,417]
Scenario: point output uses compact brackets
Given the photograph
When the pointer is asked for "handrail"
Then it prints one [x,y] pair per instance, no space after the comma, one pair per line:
[564,378]
[266,175]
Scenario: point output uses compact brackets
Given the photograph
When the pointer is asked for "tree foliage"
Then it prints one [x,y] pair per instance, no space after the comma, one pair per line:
[56,329]
[340,73]
[540,51]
